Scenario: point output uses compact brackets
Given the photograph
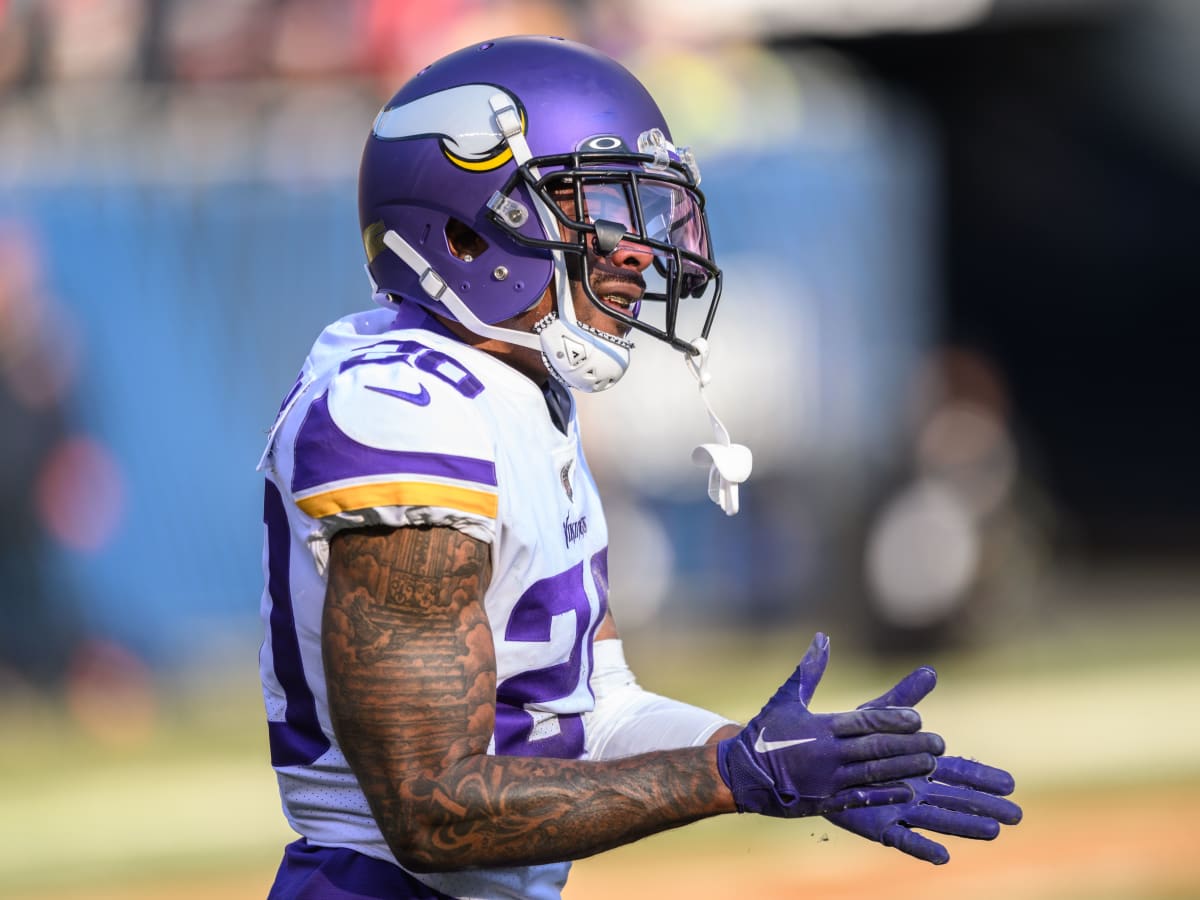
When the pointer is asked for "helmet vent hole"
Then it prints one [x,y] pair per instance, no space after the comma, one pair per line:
[463,241]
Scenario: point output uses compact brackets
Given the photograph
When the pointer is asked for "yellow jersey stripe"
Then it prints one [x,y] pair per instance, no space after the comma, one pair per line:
[399,493]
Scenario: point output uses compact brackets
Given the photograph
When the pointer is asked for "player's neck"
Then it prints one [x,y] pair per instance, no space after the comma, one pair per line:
[525,360]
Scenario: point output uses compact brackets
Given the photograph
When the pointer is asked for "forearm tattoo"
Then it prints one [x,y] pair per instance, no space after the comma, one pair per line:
[411,676]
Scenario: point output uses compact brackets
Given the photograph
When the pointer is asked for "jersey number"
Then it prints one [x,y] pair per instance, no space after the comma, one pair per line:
[426,359]
[556,611]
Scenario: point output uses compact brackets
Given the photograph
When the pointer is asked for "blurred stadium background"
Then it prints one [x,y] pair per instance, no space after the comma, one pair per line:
[960,239]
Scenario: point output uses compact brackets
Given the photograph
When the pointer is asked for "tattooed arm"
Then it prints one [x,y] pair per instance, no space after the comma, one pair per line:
[411,674]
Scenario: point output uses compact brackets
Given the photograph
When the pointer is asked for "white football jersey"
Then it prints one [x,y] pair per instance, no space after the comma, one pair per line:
[394,422]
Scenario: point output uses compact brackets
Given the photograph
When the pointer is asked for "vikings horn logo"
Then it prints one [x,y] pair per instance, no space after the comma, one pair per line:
[461,117]
[564,475]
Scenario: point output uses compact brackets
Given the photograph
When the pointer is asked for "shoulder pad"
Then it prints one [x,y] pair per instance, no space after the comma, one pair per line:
[399,425]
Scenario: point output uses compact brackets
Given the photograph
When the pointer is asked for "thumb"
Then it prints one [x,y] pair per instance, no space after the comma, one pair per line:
[803,683]
[909,691]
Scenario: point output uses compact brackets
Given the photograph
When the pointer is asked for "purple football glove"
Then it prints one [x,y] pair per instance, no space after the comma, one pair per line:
[791,762]
[962,797]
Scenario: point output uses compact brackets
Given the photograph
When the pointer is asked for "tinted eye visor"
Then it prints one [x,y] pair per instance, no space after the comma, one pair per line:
[660,213]
[600,202]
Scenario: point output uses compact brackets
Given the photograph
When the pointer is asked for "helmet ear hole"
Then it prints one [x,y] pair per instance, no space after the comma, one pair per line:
[464,242]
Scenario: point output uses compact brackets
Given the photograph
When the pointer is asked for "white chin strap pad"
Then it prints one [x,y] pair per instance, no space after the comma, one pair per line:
[729,463]
[580,360]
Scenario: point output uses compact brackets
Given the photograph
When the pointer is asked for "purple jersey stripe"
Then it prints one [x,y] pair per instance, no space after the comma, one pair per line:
[310,872]
[325,454]
[298,740]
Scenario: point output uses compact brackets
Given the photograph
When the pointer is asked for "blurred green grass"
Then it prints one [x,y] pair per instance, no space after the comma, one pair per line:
[194,795]
[189,808]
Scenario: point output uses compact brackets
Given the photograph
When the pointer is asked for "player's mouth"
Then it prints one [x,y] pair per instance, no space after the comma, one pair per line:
[621,295]
[618,302]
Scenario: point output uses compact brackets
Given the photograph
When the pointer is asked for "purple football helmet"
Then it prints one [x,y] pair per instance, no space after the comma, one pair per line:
[553,155]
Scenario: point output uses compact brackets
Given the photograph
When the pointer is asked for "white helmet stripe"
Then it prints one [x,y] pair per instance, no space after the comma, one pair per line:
[459,115]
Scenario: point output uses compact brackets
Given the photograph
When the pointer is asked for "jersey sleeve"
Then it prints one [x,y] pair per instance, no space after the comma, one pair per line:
[393,445]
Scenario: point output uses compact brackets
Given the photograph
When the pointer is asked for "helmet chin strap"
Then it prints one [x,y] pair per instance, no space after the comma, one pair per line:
[579,357]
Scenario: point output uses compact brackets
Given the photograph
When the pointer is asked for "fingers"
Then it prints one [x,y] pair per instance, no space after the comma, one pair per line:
[916,845]
[945,821]
[897,720]
[880,755]
[893,768]
[870,796]
[882,746]
[965,800]
[883,732]
[971,774]
[911,690]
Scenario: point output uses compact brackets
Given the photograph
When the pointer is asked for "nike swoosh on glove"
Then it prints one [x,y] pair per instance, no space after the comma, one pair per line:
[791,762]
[962,797]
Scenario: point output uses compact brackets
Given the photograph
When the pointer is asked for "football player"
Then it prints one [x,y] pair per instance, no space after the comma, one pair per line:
[450,713]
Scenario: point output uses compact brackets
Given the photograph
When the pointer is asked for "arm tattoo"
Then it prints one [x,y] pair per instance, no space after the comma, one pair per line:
[411,676]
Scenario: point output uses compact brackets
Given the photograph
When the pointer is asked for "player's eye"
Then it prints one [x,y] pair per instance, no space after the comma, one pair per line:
[607,202]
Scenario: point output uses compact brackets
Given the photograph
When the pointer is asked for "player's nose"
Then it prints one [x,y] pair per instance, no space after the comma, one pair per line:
[631,255]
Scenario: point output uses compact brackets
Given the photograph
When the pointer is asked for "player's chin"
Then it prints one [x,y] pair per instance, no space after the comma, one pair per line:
[609,323]
[616,329]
